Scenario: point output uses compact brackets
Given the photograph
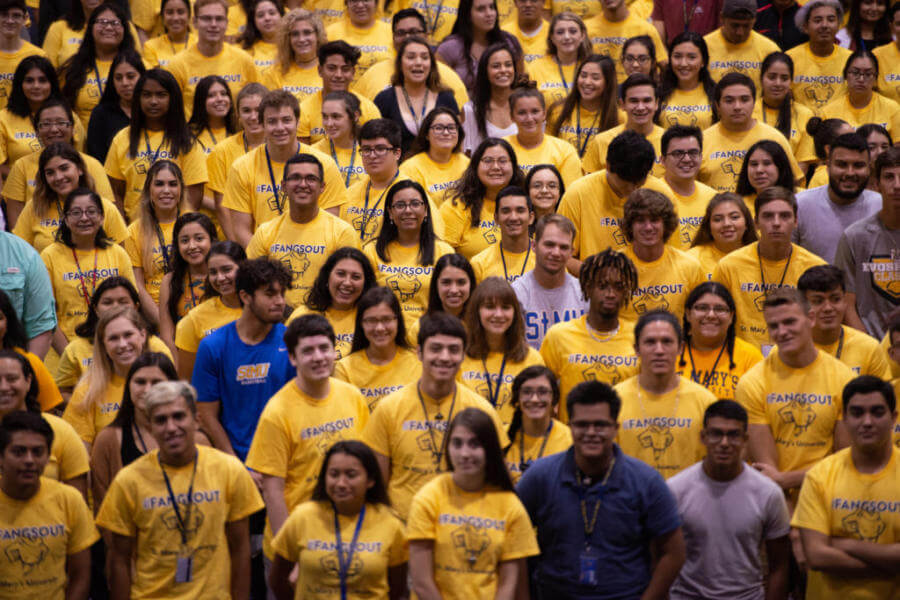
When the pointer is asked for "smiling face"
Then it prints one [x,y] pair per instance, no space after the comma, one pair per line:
[590,82]
[408,211]
[682,159]
[709,318]
[336,73]
[54,125]
[441,355]
[123,342]
[647,231]
[566,36]
[335,119]
[313,357]
[267,18]
[776,82]
[108,30]
[686,61]
[362,12]
[222,271]
[165,191]
[141,382]
[513,216]
[453,287]
[174,426]
[536,398]
[545,191]
[828,308]
[640,104]
[593,430]
[443,133]
[280,125]
[304,42]
[790,328]
[727,224]
[248,115]
[62,176]
[848,172]
[822,24]
[193,243]
[84,217]
[762,172]
[415,63]
[379,325]
[529,115]
[14,386]
[495,168]
[725,440]
[175,17]
[346,480]
[345,283]
[36,86]
[218,101]
[12,20]
[466,452]
[496,316]
[211,22]
[501,69]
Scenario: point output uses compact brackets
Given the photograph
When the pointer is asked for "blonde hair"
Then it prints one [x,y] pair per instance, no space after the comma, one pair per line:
[285,57]
[167,392]
[148,219]
[99,375]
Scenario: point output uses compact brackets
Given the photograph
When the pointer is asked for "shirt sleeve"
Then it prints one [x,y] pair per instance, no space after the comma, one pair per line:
[270,449]
[377,431]
[843,259]
[205,377]
[423,514]
[79,418]
[71,453]
[81,529]
[244,498]
[399,552]
[812,506]
[39,309]
[661,508]
[236,195]
[777,520]
[193,165]
[747,395]
[14,187]
[117,511]
[286,542]
[519,540]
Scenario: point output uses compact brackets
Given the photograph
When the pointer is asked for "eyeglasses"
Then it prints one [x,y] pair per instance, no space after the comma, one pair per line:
[631,58]
[45,125]
[413,204]
[716,435]
[408,32]
[375,150]
[12,16]
[442,129]
[541,392]
[108,23]
[77,213]
[857,74]
[375,321]
[718,309]
[550,185]
[586,425]
[678,155]
[358,1]
[490,161]
[307,179]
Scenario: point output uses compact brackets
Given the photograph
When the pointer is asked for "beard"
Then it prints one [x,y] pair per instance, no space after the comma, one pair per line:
[848,195]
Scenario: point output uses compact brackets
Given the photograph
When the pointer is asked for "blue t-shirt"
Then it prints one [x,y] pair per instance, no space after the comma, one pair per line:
[636,506]
[242,378]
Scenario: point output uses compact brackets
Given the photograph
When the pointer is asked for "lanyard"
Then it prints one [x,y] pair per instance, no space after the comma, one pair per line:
[149,151]
[562,77]
[164,248]
[368,215]
[244,139]
[524,464]
[276,191]
[436,451]
[524,264]
[182,523]
[82,277]
[688,16]
[762,275]
[212,136]
[840,347]
[711,371]
[191,290]
[344,566]
[581,146]
[172,44]
[59,211]
[437,15]
[589,525]
[97,74]
[412,110]
[494,395]
[338,163]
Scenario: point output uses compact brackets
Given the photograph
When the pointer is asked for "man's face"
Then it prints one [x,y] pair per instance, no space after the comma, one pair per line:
[529,10]
[790,328]
[658,348]
[405,28]
[848,172]
[173,426]
[869,421]
[776,221]
[336,73]
[280,125]
[828,308]
[736,106]
[379,157]
[593,430]
[553,250]
[822,24]
[682,159]
[303,185]
[266,303]
[609,294]
[211,21]
[313,357]
[441,355]
[647,231]
[737,31]
[513,216]
[889,186]
[725,440]
[24,459]
[640,104]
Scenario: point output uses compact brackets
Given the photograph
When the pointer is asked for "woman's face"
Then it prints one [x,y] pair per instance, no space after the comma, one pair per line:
[124,79]
[495,168]
[466,452]
[165,191]
[686,61]
[117,297]
[141,381]
[218,103]
[544,190]
[154,100]
[248,114]
[415,63]
[529,115]
[303,41]
[193,243]
[62,176]
[335,119]
[453,288]
[345,283]
[761,170]
[380,325]
[496,317]
[54,125]
[877,144]
[566,36]
[727,224]
[346,480]
[776,82]
[408,210]
[443,133]
[175,17]
[123,342]
[267,18]
[484,15]
[361,12]
[500,69]
[84,217]
[709,318]
[861,75]
[591,84]
[108,30]
[636,59]
[36,86]
[222,271]
[14,386]
[536,398]
[871,11]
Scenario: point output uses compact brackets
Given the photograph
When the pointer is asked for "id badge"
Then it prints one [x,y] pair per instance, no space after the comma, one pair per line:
[184,569]
[589,566]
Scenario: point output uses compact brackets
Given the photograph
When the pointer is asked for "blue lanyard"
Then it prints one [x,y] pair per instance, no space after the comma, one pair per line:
[276,191]
[344,566]
[562,76]
[338,163]
[149,151]
[181,523]
[97,74]
[590,130]
[368,215]
[494,394]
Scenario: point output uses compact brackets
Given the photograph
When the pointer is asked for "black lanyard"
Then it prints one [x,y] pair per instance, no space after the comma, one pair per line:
[494,394]
[582,146]
[344,566]
[562,76]
[412,110]
[436,451]
[524,264]
[688,16]
[99,83]
[524,464]
[182,523]
[276,190]
[149,151]
[711,371]
[368,215]
[164,248]
[762,275]
[840,347]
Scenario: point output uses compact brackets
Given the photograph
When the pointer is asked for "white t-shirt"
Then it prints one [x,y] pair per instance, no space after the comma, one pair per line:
[470,127]
[543,308]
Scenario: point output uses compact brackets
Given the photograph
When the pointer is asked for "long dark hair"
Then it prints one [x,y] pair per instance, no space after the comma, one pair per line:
[232,250]
[87,328]
[823,132]
[482,427]
[464,29]
[18,103]
[180,267]
[389,232]
[779,157]
[251,33]
[881,32]
[374,297]
[481,95]
[110,96]
[422,143]
[31,396]
[448,260]
[669,81]
[319,298]
[43,193]
[175,129]
[609,114]
[785,111]
[498,290]
[704,232]
[527,374]
[717,289]
[125,418]
[15,336]
[76,69]
[64,234]
[470,190]
[377,494]
[200,116]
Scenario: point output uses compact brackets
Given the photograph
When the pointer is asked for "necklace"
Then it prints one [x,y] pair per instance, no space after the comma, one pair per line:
[524,464]
[711,371]
[762,275]
[437,451]
[524,263]
[602,339]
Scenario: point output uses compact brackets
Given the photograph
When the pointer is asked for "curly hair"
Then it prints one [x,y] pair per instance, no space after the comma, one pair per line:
[595,265]
[646,202]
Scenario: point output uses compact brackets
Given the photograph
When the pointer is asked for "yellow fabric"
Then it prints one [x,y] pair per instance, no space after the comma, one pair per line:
[69,290]
[534,45]
[133,169]
[839,501]
[304,248]
[22,179]
[378,77]
[583,8]
[800,406]
[364,207]
[201,321]
[79,354]
[89,93]
[137,505]
[690,108]
[609,37]
[745,58]
[691,210]
[8,63]
[310,125]
[38,535]
[439,16]
[190,66]
[576,353]
[159,51]
[880,110]
[709,256]
[48,396]
[664,283]
[595,155]
[308,538]
[820,177]
[294,433]
[474,373]
[302,83]
[61,42]
[237,19]
[263,54]
[248,187]
[888,74]
[145,14]
[377,381]
[740,270]
[343,322]
[18,137]
[895,366]
[494,261]
[817,79]
[473,532]
[88,422]
[459,232]
[40,230]
[801,142]
[552,150]
[723,153]
[545,71]
[398,430]
[220,160]
[578,129]
[716,375]
[374,43]
[559,440]
[663,430]
[68,456]
[861,352]
[438,179]
[134,245]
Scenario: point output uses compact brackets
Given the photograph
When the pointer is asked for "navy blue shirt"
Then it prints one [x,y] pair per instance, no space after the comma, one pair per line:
[241,377]
[636,507]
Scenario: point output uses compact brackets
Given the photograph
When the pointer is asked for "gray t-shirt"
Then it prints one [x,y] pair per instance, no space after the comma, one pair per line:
[869,256]
[820,222]
[724,524]
[543,308]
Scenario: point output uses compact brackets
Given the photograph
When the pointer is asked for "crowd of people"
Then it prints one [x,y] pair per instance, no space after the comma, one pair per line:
[449,299]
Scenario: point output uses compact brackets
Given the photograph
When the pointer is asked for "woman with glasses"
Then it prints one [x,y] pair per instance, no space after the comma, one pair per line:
[861,104]
[341,112]
[590,107]
[712,354]
[726,226]
[568,45]
[545,187]
[639,56]
[534,431]
[436,159]
[686,89]
[295,68]
[176,36]
[64,36]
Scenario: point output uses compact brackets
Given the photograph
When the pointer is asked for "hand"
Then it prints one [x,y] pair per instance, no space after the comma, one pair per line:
[797,547]
[769,471]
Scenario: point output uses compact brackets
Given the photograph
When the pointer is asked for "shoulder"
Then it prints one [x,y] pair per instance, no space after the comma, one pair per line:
[686,479]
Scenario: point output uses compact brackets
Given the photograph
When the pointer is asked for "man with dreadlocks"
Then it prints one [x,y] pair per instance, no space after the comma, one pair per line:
[596,346]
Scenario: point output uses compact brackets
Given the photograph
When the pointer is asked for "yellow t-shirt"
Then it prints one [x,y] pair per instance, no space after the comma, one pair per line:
[473,532]
[486,378]
[439,16]
[68,456]
[18,137]
[597,213]
[800,406]
[347,160]
[691,210]
[342,321]
[159,51]
[201,321]
[691,108]
[40,230]
[88,421]
[724,150]
[861,352]
[526,449]
[137,505]
[8,63]
[801,141]
[494,261]
[133,169]
[608,37]
[817,79]
[89,93]
[663,430]
[249,187]
[79,354]
[263,54]
[221,158]
[712,370]
[74,281]
[664,283]
[534,45]
[888,75]
[746,58]
[237,19]
[374,43]
[134,245]
[839,501]
[436,178]
[364,207]
[38,535]
[583,8]
[709,256]
[551,150]
[302,83]
[576,353]
[294,433]
[739,271]
[304,247]
[377,381]
[413,439]
[880,110]
[578,129]
[210,138]
[61,42]
[895,366]
[553,79]
[378,77]
[466,239]
[308,538]
[190,66]
[595,155]
[310,124]
[22,178]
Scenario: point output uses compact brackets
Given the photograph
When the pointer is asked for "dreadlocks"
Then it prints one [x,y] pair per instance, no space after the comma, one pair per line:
[595,265]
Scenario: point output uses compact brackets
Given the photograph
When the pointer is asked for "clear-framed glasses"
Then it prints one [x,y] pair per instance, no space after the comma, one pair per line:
[306,179]
[679,155]
[47,125]
[375,150]
[413,204]
[643,59]
[442,129]
[858,74]
[77,213]
[108,23]
[376,321]
[490,161]
[718,309]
